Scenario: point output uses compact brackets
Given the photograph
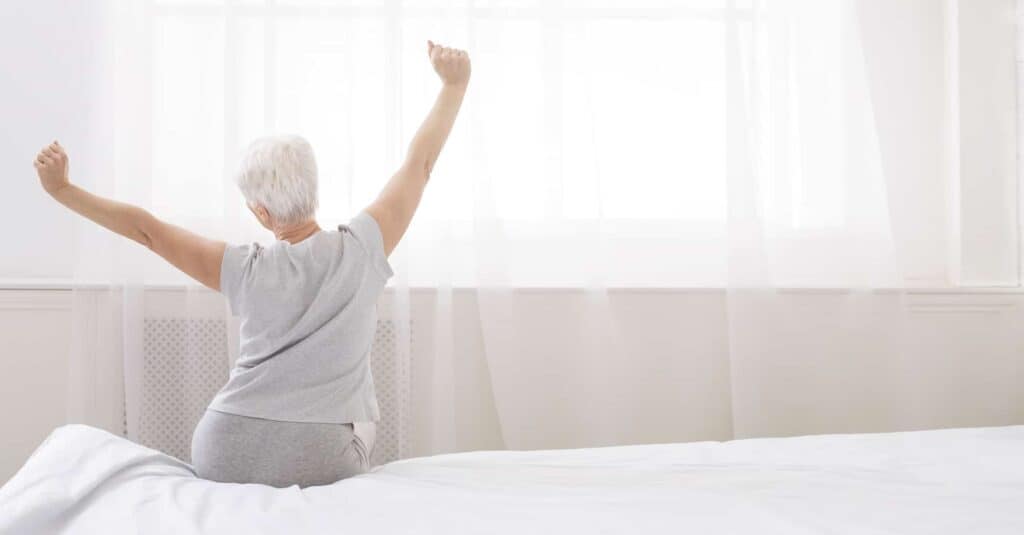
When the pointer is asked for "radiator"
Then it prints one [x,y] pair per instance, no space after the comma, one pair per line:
[185,363]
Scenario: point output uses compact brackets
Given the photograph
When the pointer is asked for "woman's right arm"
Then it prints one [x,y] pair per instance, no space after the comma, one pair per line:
[394,207]
[195,255]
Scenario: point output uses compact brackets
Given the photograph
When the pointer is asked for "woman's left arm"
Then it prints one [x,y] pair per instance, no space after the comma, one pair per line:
[199,257]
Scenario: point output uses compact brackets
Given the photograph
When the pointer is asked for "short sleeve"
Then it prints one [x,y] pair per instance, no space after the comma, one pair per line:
[235,269]
[367,232]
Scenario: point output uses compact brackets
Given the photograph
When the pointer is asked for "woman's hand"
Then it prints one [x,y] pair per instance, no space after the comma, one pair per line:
[451,64]
[52,166]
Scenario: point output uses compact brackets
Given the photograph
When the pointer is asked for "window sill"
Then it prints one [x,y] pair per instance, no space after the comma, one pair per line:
[68,285]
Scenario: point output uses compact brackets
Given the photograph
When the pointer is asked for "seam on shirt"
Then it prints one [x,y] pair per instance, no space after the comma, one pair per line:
[374,262]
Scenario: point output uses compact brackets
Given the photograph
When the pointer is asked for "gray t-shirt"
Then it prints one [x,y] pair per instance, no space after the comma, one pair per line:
[308,317]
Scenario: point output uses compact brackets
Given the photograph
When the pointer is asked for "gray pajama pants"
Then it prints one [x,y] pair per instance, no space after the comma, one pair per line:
[240,449]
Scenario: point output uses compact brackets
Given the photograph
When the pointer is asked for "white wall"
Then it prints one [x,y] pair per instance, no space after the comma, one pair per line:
[49,65]
[983,101]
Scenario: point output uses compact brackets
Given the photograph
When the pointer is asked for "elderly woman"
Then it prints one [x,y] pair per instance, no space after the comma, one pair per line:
[299,405]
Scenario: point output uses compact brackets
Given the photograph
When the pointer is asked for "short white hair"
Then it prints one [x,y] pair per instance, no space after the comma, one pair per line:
[279,173]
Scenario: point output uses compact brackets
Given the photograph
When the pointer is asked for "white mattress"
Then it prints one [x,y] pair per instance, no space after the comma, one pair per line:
[83,480]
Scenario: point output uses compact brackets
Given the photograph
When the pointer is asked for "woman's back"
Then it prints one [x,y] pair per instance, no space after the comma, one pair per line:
[308,317]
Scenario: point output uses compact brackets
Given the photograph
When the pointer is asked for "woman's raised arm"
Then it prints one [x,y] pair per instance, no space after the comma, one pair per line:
[394,207]
[198,257]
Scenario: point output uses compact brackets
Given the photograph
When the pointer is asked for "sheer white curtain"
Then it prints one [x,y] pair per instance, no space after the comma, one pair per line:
[740,138]
[724,153]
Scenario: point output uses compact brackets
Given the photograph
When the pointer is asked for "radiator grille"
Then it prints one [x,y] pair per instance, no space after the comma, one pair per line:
[391,381]
[185,364]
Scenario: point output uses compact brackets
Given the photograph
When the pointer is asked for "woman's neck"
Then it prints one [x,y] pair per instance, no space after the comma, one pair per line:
[296,233]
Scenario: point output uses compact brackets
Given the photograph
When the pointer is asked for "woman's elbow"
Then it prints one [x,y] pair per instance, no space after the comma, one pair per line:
[419,165]
[143,230]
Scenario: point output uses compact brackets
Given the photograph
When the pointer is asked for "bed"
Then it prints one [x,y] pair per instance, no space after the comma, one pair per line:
[85,480]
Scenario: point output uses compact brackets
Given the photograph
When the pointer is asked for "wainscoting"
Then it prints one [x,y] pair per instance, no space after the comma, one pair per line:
[35,336]
[813,373]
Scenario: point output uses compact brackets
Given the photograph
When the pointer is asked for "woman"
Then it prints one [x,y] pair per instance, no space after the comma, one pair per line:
[299,405]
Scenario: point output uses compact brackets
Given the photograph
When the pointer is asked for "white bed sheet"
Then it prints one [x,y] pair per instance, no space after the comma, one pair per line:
[84,480]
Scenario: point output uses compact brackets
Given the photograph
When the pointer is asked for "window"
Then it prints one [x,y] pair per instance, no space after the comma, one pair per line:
[664,129]
[564,120]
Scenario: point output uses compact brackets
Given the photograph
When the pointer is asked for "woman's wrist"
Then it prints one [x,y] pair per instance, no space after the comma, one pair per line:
[458,86]
[59,191]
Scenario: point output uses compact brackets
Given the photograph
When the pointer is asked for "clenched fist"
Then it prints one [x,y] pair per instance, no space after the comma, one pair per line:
[52,165]
[451,64]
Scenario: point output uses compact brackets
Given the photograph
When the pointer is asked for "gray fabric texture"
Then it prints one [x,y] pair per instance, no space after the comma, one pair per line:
[229,448]
[308,318]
